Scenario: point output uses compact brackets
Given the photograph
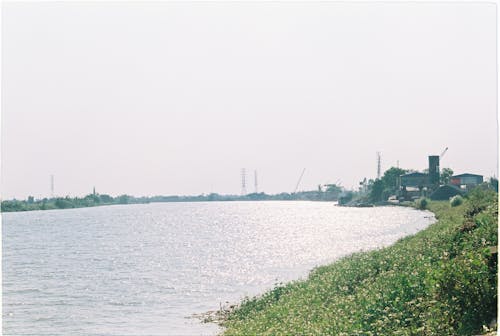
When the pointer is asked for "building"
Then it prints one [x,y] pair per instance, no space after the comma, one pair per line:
[421,180]
[445,192]
[414,185]
[416,180]
[466,181]
[434,170]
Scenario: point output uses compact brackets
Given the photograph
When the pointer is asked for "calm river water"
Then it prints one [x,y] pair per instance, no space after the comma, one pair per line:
[146,269]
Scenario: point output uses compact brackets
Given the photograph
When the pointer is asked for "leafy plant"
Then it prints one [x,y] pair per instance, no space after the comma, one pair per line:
[456,200]
[422,203]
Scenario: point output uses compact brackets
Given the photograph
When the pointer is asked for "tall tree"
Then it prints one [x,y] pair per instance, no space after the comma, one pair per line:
[386,185]
[494,183]
[446,174]
[391,177]
[377,188]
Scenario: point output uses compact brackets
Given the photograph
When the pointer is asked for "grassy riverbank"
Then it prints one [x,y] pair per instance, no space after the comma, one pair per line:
[441,281]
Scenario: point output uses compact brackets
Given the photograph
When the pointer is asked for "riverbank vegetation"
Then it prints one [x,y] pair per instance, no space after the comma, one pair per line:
[441,281]
[329,192]
[67,202]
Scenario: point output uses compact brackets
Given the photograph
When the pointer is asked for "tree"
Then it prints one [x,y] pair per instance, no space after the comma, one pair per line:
[376,191]
[92,198]
[391,177]
[64,203]
[382,188]
[446,174]
[494,183]
[332,191]
[346,198]
[123,199]
[13,205]
[105,198]
[333,188]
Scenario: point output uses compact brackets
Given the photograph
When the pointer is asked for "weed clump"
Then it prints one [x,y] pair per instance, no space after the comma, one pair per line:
[456,200]
[422,203]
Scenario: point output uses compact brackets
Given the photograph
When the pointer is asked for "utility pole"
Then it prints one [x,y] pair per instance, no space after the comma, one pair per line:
[243,182]
[255,181]
[52,186]
[378,165]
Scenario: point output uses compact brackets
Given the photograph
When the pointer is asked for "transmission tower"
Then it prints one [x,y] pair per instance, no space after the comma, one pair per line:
[243,182]
[52,186]
[378,165]
[255,181]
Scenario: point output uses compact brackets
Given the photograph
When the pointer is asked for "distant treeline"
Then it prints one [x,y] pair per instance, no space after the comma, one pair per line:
[332,193]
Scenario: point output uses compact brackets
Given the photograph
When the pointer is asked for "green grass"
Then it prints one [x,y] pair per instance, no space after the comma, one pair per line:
[441,281]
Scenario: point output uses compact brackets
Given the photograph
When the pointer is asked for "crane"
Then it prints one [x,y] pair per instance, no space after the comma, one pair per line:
[443,153]
[298,182]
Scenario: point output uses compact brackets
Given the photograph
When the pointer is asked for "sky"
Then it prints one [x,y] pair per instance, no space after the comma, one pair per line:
[165,98]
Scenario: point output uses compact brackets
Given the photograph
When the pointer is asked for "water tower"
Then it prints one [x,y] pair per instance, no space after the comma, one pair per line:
[434,170]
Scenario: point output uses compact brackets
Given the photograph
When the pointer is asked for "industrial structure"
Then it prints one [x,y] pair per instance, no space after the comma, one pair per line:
[378,166]
[423,181]
[416,184]
[52,186]
[466,181]
[300,179]
[433,170]
[243,182]
[414,180]
[255,182]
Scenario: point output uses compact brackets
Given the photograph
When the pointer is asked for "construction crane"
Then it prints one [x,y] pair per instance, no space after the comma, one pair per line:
[443,153]
[298,182]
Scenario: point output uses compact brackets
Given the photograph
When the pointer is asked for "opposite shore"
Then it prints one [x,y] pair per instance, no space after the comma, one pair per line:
[95,199]
[386,190]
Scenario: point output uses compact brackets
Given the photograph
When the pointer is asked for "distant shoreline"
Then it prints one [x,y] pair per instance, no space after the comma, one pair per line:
[93,200]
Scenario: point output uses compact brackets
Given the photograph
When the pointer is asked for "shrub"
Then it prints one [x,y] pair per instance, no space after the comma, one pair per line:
[422,203]
[456,200]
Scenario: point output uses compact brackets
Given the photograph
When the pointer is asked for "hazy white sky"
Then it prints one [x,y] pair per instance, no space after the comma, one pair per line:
[175,98]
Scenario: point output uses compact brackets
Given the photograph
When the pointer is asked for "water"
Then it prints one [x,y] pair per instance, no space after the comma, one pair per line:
[146,269]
